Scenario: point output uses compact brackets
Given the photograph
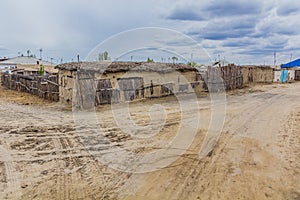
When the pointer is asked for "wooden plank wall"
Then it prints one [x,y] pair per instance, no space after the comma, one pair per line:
[223,78]
[105,94]
[45,87]
[132,87]
[297,75]
[84,91]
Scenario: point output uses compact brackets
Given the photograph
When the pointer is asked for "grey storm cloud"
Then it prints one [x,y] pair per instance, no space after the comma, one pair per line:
[287,8]
[257,52]
[242,27]
[234,8]
[241,42]
[214,9]
[270,44]
[226,28]
[185,14]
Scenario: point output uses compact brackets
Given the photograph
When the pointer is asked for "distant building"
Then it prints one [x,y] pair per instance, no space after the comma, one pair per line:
[25,65]
[292,64]
[3,59]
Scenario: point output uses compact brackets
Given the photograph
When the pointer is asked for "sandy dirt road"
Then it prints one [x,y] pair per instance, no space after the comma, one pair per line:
[44,154]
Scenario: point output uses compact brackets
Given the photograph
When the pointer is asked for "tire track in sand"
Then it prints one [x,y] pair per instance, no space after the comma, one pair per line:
[68,180]
[12,179]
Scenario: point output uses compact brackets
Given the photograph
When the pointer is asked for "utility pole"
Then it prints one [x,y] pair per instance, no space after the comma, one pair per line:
[41,50]
[274,58]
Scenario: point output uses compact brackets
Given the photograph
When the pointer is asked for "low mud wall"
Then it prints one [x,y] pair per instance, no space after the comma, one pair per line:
[257,74]
[45,87]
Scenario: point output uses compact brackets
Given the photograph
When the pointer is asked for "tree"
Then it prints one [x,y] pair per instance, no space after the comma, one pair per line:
[150,60]
[103,56]
[28,52]
[100,56]
[41,70]
[174,58]
[192,64]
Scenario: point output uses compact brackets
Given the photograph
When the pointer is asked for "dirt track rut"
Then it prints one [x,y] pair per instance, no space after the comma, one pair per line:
[43,157]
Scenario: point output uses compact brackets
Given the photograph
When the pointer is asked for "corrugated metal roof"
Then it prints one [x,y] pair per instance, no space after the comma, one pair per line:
[25,60]
[294,63]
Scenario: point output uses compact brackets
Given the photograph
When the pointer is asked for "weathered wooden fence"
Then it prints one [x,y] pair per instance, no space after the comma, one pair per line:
[297,75]
[43,86]
[223,78]
[131,88]
[88,90]
[105,94]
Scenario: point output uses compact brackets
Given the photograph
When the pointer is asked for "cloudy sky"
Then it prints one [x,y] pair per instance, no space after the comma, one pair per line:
[242,32]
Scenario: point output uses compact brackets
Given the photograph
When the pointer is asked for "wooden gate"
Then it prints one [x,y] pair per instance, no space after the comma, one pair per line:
[105,93]
[131,87]
[84,91]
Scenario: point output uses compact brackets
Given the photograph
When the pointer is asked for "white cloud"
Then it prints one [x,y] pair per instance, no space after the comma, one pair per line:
[64,29]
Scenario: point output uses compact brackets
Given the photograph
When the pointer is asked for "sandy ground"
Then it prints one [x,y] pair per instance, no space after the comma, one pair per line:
[46,154]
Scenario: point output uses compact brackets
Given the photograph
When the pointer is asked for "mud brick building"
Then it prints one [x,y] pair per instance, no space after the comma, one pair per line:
[94,83]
